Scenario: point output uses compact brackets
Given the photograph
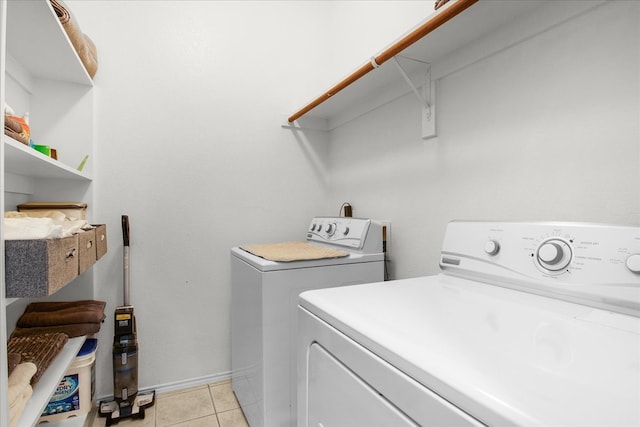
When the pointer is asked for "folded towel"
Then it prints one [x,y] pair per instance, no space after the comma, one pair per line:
[38,349]
[19,379]
[31,228]
[19,390]
[13,124]
[71,331]
[22,374]
[63,305]
[17,136]
[13,359]
[14,129]
[42,314]
[56,216]
[81,42]
[16,410]
[25,392]
[293,251]
[70,226]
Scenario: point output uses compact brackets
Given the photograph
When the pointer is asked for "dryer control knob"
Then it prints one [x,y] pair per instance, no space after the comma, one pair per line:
[554,254]
[492,247]
[633,263]
[550,253]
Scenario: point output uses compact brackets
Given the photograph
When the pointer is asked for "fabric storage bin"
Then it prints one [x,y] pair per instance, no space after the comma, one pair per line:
[101,240]
[75,210]
[86,250]
[40,267]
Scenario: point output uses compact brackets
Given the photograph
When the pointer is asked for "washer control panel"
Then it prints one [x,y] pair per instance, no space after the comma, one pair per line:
[354,233]
[582,261]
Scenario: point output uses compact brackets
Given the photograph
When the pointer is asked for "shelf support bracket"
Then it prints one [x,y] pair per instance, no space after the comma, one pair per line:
[426,98]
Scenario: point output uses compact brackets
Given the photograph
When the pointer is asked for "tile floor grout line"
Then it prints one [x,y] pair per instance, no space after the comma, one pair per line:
[213,402]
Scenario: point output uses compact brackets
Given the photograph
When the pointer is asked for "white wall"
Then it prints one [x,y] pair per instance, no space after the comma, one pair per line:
[189,98]
[189,101]
[548,129]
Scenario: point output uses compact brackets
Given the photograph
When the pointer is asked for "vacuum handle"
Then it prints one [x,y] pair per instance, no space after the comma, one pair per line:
[125,259]
[125,229]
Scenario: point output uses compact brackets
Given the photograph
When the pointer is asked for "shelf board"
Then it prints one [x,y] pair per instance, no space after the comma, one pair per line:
[41,45]
[47,384]
[472,24]
[21,159]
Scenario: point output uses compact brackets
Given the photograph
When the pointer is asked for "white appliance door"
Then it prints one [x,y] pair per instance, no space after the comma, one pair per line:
[337,397]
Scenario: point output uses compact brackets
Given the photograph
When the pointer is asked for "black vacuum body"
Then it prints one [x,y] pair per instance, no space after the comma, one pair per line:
[125,356]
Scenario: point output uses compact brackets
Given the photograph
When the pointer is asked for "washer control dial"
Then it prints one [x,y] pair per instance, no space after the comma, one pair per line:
[331,229]
[633,263]
[492,247]
[554,254]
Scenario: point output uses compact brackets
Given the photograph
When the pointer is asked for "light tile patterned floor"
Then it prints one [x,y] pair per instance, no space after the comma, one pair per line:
[212,405]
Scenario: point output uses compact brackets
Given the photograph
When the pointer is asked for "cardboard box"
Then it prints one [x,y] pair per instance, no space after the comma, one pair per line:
[40,267]
[101,240]
[86,250]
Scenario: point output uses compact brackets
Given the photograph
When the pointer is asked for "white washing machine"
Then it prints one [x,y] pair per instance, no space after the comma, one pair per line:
[527,324]
[264,310]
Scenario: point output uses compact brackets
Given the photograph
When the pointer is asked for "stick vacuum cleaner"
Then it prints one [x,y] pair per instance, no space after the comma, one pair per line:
[128,402]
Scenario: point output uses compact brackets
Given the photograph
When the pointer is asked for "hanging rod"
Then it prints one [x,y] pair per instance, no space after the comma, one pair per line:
[436,21]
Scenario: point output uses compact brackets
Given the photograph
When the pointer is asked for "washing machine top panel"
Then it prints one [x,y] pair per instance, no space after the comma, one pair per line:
[265,265]
[502,355]
[361,238]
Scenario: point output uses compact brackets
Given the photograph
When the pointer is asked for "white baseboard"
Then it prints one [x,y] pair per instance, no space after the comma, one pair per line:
[181,385]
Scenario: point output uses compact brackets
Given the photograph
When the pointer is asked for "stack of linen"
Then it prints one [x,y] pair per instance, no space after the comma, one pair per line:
[42,331]
[19,390]
[40,350]
[41,225]
[72,318]
[83,45]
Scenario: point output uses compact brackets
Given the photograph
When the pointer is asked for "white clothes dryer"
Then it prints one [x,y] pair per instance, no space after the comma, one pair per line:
[264,299]
[527,324]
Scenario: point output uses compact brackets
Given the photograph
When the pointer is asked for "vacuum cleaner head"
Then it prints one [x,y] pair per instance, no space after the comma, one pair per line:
[114,411]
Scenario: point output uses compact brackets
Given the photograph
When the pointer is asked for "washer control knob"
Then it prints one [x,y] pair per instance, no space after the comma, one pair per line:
[554,254]
[550,253]
[331,229]
[346,231]
[492,247]
[633,263]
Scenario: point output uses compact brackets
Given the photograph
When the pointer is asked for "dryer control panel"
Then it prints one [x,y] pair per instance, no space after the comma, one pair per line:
[594,264]
[359,234]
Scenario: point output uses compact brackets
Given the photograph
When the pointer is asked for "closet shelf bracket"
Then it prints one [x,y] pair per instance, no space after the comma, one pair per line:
[425,95]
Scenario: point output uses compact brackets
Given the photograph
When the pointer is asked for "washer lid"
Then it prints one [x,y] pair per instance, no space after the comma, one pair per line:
[501,355]
[265,265]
